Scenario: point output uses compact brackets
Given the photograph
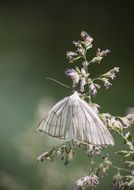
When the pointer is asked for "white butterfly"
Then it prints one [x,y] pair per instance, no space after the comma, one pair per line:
[74,118]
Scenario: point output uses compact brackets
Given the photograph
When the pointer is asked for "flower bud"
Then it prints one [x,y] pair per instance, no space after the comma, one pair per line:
[88,181]
[71,55]
[87,40]
[73,75]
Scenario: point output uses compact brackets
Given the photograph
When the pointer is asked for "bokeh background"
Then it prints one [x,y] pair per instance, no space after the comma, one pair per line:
[34,38]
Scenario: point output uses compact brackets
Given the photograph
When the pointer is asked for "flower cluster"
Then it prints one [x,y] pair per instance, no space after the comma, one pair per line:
[118,181]
[93,87]
[99,55]
[117,123]
[80,76]
[123,182]
[72,56]
[110,74]
[103,167]
[74,76]
[81,48]
[107,76]
[65,151]
[94,150]
[87,40]
[87,181]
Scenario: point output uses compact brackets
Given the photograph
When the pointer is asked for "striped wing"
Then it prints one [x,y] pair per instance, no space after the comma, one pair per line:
[88,126]
[56,122]
[73,118]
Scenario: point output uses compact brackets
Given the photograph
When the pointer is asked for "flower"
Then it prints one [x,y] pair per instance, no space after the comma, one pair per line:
[82,84]
[127,121]
[112,73]
[71,55]
[103,53]
[115,123]
[92,149]
[99,55]
[130,118]
[73,75]
[118,181]
[93,87]
[87,40]
[88,181]
[107,84]
[80,49]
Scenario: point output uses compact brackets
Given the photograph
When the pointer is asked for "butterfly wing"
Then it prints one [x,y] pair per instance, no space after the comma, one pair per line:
[73,118]
[88,127]
[56,122]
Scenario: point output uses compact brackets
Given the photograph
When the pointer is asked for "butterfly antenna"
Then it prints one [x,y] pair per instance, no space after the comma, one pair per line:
[62,84]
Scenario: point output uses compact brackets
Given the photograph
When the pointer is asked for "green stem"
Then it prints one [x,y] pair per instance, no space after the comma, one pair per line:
[85,59]
[118,168]
[92,164]
[97,78]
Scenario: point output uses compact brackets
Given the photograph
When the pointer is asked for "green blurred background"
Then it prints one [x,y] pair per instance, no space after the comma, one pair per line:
[33,40]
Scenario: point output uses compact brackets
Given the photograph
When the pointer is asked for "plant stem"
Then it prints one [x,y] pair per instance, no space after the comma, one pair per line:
[118,168]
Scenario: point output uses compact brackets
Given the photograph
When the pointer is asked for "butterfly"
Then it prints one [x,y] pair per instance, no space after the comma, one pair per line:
[74,118]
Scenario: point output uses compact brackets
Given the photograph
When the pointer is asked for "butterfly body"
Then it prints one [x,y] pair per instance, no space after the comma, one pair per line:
[74,118]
